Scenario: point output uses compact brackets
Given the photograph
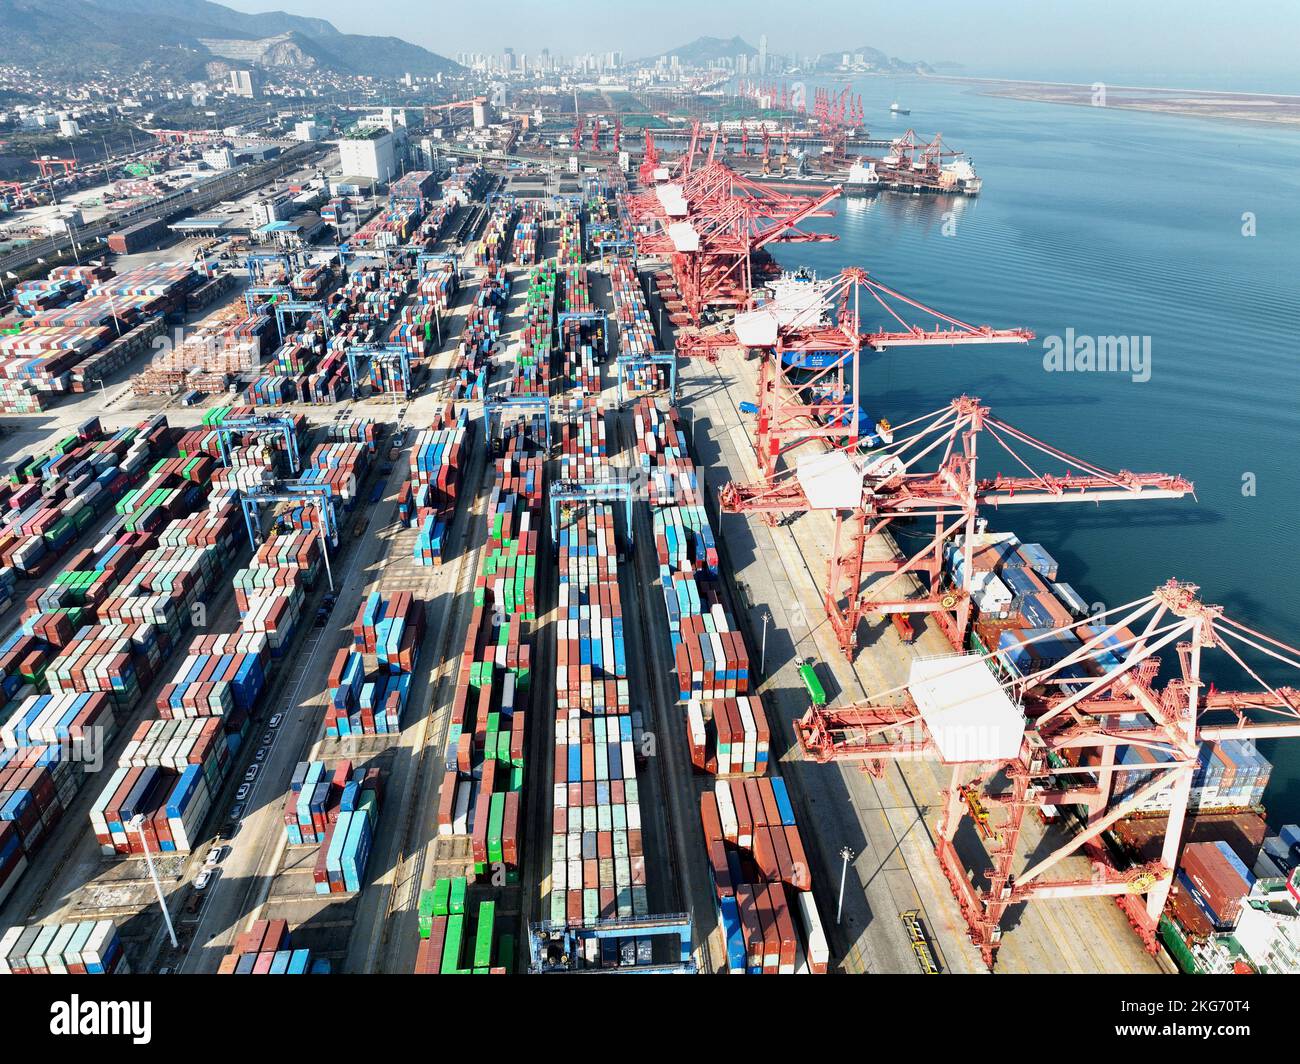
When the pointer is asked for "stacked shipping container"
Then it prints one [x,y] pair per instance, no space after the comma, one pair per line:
[760,872]
[597,852]
[86,947]
[369,682]
[265,949]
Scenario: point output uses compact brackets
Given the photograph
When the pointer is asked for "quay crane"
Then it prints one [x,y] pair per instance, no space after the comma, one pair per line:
[1055,737]
[811,335]
[928,474]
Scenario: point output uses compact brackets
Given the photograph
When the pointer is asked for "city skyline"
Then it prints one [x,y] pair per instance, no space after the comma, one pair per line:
[1163,42]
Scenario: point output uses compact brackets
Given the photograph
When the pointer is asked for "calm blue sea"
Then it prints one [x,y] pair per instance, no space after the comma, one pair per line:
[1114,223]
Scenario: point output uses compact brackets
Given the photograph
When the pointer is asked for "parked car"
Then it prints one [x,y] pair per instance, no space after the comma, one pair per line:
[251,774]
[274,722]
[201,880]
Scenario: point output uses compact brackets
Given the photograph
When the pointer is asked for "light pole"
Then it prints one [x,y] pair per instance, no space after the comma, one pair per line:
[847,855]
[137,823]
[325,543]
[762,654]
[76,252]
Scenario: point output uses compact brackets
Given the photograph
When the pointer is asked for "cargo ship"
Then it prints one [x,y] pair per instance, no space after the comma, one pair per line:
[893,173]
[896,108]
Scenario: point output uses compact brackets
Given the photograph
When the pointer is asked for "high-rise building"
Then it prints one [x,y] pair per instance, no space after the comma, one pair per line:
[246,83]
[762,54]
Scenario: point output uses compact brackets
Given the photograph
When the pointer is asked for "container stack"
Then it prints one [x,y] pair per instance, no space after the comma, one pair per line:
[636,333]
[318,793]
[167,776]
[480,334]
[532,369]
[726,731]
[118,659]
[484,755]
[48,500]
[760,870]
[494,247]
[389,228]
[86,947]
[508,573]
[437,288]
[1215,881]
[596,874]
[369,681]
[583,340]
[458,937]
[265,949]
[570,250]
[166,588]
[527,236]
[1231,775]
[437,457]
[761,879]
[71,720]
[484,758]
[37,784]
[355,430]
[213,685]
[1016,594]
[274,609]
[345,849]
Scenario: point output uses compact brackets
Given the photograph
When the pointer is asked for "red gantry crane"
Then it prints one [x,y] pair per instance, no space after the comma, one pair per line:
[811,336]
[649,160]
[46,165]
[1055,736]
[713,221]
[928,474]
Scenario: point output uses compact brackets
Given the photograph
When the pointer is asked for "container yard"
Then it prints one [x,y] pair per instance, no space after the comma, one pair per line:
[528,583]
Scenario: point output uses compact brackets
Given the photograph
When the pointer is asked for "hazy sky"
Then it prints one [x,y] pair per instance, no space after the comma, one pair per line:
[1209,43]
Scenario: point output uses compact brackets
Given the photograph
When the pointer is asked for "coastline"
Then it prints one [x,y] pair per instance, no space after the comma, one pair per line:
[1274,109]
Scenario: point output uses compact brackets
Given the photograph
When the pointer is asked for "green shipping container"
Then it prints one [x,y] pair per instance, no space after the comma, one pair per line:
[483,935]
[496,815]
[426,912]
[451,945]
[441,897]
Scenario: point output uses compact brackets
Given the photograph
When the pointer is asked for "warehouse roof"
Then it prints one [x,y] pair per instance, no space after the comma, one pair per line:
[201,222]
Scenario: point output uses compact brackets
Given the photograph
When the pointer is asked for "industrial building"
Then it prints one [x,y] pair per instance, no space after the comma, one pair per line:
[368,152]
[247,83]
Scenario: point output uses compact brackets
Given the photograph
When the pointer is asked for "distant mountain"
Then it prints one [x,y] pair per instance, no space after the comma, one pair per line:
[190,37]
[704,50]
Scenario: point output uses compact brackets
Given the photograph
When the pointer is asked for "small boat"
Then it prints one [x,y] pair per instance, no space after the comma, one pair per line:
[895,109]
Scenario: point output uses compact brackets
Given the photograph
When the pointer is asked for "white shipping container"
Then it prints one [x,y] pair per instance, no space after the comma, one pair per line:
[727,811]
[818,952]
